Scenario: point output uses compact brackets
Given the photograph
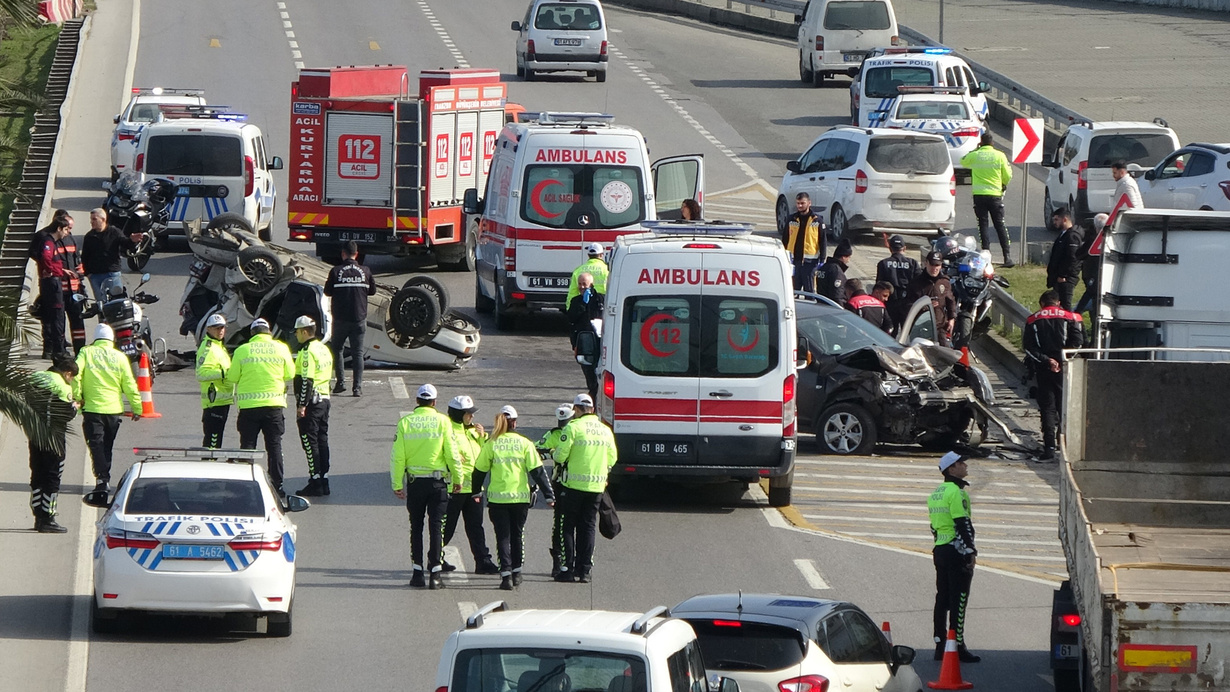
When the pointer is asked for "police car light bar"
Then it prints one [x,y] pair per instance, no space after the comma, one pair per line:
[199,454]
[553,118]
[680,227]
[917,49]
[903,89]
[201,112]
[164,91]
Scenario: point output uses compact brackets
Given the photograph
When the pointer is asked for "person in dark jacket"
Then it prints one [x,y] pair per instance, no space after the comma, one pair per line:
[100,252]
[1064,268]
[1091,265]
[831,279]
[349,284]
[866,306]
[70,259]
[52,278]
[582,311]
[933,284]
[1047,333]
[898,270]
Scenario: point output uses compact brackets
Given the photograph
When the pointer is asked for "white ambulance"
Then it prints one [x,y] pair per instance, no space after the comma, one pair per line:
[698,355]
[558,182]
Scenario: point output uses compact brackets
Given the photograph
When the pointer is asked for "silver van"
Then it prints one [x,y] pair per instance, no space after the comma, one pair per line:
[835,35]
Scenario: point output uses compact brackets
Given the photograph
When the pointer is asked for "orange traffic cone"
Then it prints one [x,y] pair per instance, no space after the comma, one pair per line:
[950,668]
[145,386]
[887,629]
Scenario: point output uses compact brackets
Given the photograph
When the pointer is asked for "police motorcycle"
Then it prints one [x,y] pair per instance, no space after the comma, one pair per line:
[971,274]
[136,207]
[128,321]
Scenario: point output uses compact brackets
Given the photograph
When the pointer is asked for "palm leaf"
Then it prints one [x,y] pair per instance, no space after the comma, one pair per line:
[16,386]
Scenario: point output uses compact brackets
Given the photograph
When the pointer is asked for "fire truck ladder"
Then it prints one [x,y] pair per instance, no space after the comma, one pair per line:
[408,176]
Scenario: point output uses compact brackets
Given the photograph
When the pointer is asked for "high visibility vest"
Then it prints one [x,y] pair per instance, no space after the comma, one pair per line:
[595,267]
[509,458]
[212,362]
[259,372]
[467,443]
[423,447]
[947,504]
[104,379]
[587,451]
[315,362]
[989,171]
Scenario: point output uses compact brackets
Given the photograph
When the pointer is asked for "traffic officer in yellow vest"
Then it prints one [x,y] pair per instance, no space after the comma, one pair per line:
[512,461]
[990,173]
[259,372]
[953,554]
[212,362]
[587,452]
[595,266]
[423,451]
[468,439]
[546,447]
[313,368]
[105,379]
[52,401]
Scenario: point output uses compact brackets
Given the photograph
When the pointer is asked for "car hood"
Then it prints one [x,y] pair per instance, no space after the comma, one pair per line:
[912,362]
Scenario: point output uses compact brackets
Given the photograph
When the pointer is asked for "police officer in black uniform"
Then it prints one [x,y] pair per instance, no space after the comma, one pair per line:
[831,279]
[898,270]
[349,284]
[1047,333]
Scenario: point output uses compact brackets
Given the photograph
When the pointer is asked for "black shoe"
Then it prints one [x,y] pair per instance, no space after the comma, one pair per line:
[281,493]
[357,391]
[506,584]
[939,651]
[583,577]
[555,572]
[102,487]
[416,579]
[446,566]
[324,485]
[487,567]
[517,578]
[564,577]
[314,488]
[339,387]
[1008,263]
[1047,454]
[48,525]
[436,581]
[966,655]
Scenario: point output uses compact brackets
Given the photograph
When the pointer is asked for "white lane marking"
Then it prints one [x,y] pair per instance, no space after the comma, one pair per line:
[299,65]
[859,519]
[281,5]
[466,608]
[285,15]
[1017,556]
[775,518]
[910,493]
[290,34]
[130,70]
[286,25]
[917,508]
[294,44]
[403,414]
[77,668]
[398,387]
[811,574]
[929,482]
[296,54]
[458,56]
[453,556]
[928,539]
[900,467]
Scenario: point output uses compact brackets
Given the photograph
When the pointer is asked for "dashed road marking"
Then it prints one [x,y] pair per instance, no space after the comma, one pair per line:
[215,43]
[373,45]
[811,574]
[290,35]
[453,556]
[466,608]
[458,57]
[398,386]
[775,518]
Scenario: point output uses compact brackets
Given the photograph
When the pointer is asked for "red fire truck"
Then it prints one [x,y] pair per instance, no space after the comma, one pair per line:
[374,163]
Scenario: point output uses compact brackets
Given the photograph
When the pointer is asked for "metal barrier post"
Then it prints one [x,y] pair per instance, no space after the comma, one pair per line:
[1024,225]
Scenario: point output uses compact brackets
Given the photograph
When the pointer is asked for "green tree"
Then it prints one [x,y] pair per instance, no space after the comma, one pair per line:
[15,383]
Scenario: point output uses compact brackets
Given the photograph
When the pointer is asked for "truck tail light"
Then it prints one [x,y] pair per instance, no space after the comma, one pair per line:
[304,234]
[118,538]
[510,255]
[788,406]
[249,176]
[807,683]
[256,543]
[139,164]
[1071,620]
[819,42]
[529,50]
[1082,175]
[1225,188]
[952,185]
[602,50]
[860,181]
[894,41]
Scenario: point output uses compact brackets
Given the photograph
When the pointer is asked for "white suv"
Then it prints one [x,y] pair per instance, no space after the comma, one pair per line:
[874,179]
[1194,177]
[560,650]
[1079,168]
[146,104]
[562,36]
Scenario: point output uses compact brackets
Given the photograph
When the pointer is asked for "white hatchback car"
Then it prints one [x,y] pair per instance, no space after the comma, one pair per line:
[774,643]
[142,109]
[1195,177]
[562,36]
[195,531]
[944,111]
[874,179]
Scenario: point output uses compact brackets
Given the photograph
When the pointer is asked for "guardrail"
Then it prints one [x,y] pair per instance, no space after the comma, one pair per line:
[792,7]
[1006,312]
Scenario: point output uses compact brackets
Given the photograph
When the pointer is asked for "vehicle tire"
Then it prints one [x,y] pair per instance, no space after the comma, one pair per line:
[482,303]
[839,227]
[102,622]
[783,214]
[963,331]
[1067,680]
[529,74]
[279,624]
[817,77]
[266,234]
[504,321]
[520,71]
[846,429]
[780,489]
[1048,208]
[115,174]
[414,311]
[467,259]
[261,267]
[804,73]
[601,76]
[433,285]
[230,221]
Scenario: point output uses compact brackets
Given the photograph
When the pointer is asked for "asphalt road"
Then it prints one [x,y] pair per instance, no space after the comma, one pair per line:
[690,88]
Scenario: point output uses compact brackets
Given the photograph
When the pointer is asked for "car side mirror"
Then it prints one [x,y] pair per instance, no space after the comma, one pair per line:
[1150,174]
[275,164]
[802,357]
[983,87]
[516,26]
[798,19]
[1048,162]
[294,503]
[901,656]
[79,298]
[98,499]
[470,203]
[116,120]
[794,166]
[723,685]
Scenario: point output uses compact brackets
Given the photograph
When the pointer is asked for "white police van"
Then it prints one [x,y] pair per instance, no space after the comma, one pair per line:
[876,84]
[219,162]
[698,355]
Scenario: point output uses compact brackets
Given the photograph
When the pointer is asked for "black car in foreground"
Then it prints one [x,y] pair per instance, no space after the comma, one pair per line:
[860,386]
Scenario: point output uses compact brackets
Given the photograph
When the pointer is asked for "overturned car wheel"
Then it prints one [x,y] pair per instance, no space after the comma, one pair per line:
[228,221]
[261,267]
[846,429]
[414,312]
[434,286]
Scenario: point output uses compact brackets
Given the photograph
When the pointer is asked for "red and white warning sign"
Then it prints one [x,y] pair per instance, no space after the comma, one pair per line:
[358,156]
[442,155]
[1026,140]
[465,153]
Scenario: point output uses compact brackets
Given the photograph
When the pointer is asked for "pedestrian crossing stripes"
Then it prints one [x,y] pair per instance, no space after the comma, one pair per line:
[751,203]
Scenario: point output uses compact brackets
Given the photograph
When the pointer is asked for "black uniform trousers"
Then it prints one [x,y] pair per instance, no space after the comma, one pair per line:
[427,501]
[1066,289]
[953,574]
[100,430]
[46,469]
[213,423]
[1050,394]
[314,434]
[509,523]
[352,331]
[76,323]
[580,528]
[557,530]
[462,506]
[51,314]
[991,208]
[269,421]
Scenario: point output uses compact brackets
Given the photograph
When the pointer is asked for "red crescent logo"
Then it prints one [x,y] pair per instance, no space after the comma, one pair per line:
[536,198]
[731,340]
[647,342]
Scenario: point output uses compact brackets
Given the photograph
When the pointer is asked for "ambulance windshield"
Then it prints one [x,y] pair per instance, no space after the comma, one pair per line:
[583,196]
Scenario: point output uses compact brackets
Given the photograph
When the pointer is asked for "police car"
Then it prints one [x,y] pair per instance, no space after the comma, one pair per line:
[945,111]
[195,531]
[143,108]
[887,69]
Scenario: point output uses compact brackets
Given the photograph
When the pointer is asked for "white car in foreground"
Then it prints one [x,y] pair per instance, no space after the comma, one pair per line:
[142,109]
[195,531]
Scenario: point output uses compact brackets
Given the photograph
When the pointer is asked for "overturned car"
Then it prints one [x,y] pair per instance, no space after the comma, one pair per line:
[858,386]
[242,277]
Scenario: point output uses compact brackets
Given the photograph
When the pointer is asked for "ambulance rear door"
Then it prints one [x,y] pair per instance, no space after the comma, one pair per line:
[675,179]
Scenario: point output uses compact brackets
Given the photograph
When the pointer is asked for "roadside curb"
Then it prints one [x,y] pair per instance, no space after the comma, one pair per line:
[1004,353]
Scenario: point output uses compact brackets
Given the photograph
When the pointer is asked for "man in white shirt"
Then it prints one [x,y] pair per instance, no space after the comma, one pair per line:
[1125,184]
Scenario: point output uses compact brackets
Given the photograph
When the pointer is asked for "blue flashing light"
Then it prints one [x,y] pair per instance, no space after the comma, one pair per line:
[938,51]
[232,117]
